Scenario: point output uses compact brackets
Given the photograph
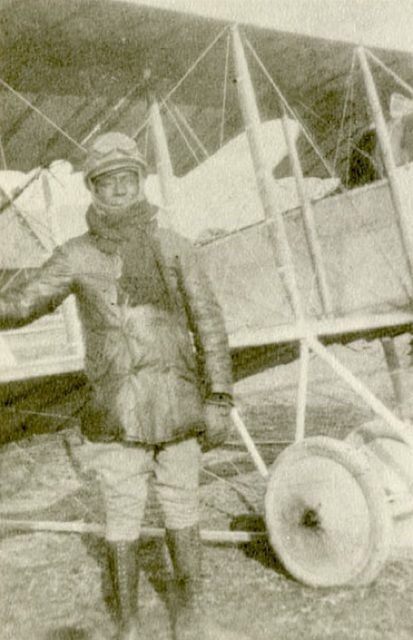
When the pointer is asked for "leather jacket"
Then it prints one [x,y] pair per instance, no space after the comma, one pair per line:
[149,369]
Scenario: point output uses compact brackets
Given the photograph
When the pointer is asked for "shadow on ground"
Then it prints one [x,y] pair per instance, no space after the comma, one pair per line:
[259,550]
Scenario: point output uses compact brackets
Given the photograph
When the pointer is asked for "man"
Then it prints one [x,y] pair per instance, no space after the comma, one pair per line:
[158,364]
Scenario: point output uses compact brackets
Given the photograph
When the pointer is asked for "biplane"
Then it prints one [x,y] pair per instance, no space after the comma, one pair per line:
[297,260]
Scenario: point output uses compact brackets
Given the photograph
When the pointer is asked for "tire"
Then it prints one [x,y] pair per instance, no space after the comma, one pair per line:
[370,431]
[327,515]
[392,458]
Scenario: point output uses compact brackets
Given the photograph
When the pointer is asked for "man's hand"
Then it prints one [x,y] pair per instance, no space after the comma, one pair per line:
[217,421]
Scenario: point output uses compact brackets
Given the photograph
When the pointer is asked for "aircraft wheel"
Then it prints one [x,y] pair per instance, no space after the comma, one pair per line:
[392,458]
[327,515]
[370,431]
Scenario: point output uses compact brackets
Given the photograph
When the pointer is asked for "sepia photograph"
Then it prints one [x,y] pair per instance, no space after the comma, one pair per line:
[206,320]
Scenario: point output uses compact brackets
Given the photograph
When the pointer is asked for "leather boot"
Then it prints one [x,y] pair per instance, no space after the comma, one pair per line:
[123,566]
[190,619]
[185,549]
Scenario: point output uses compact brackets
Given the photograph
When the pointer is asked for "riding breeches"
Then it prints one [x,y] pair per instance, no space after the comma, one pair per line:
[123,471]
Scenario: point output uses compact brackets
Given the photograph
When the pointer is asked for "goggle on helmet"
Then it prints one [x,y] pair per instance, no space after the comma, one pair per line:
[112,151]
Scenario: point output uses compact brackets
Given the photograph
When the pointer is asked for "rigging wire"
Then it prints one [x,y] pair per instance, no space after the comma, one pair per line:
[164,104]
[43,115]
[29,218]
[343,190]
[188,127]
[232,485]
[24,217]
[290,109]
[179,83]
[348,99]
[109,116]
[243,240]
[166,107]
[351,144]
[59,129]
[305,131]
[392,73]
[316,115]
[20,190]
[184,77]
[184,137]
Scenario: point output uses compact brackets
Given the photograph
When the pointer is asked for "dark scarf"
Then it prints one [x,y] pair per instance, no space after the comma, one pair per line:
[132,238]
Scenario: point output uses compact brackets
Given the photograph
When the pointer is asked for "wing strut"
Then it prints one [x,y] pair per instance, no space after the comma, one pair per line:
[310,342]
[388,159]
[165,172]
[252,123]
[309,223]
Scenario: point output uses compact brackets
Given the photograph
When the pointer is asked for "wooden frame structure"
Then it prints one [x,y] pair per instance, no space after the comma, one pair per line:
[308,332]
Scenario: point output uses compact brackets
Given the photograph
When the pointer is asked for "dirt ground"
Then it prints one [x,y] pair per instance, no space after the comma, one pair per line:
[51,583]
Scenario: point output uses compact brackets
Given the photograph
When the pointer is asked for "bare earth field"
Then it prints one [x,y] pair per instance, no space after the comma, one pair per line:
[51,583]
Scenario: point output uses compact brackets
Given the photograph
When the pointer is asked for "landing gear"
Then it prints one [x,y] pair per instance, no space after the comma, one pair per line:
[327,515]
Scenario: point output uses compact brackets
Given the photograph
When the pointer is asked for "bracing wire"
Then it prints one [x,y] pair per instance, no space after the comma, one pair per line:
[290,109]
[231,484]
[10,200]
[183,135]
[296,117]
[184,77]
[316,115]
[243,240]
[27,218]
[109,116]
[188,127]
[24,217]
[319,154]
[234,487]
[392,73]
[102,123]
[94,130]
[42,115]
[351,143]
[180,82]
[348,98]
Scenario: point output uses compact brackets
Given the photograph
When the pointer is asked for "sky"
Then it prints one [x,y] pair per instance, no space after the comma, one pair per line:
[374,23]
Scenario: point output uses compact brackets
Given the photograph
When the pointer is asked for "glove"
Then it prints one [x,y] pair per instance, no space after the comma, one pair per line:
[217,420]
